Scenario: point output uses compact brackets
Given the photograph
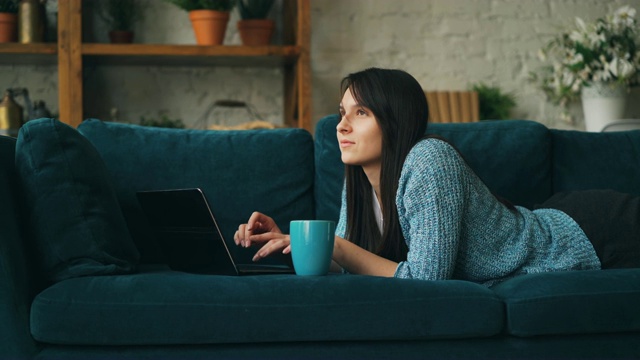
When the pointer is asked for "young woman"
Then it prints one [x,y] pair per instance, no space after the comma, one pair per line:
[412,207]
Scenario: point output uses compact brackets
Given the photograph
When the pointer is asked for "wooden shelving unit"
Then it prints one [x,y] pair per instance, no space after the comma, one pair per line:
[71,54]
[31,54]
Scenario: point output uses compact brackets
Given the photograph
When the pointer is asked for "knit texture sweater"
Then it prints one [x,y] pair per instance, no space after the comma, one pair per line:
[455,228]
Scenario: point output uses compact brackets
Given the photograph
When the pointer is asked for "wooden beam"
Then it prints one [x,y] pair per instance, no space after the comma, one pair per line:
[70,61]
[289,38]
[303,66]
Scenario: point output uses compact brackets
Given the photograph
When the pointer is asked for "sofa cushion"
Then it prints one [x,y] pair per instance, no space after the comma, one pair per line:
[577,302]
[17,281]
[512,157]
[270,171]
[200,309]
[329,169]
[586,160]
[76,222]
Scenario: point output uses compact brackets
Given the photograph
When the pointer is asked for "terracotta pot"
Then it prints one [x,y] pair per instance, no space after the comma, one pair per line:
[256,32]
[121,37]
[209,26]
[8,27]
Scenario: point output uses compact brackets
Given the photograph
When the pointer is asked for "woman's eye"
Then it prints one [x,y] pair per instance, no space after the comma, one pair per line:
[361,112]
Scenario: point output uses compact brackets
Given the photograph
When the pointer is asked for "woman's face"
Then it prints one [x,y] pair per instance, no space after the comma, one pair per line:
[359,134]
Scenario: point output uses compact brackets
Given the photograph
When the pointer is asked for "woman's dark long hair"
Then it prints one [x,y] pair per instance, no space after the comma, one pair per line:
[400,106]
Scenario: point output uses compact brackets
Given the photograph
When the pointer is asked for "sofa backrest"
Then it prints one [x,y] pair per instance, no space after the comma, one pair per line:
[512,157]
[270,171]
[585,160]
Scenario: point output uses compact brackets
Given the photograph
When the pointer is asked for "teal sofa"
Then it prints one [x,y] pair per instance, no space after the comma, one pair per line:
[82,277]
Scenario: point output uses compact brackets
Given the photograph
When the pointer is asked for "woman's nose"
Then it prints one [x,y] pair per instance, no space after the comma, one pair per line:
[342,125]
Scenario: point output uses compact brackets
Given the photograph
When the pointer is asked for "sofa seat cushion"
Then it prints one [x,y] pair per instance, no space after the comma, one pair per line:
[577,302]
[166,307]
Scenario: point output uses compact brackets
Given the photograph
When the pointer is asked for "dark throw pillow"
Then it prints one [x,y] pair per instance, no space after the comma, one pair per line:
[76,222]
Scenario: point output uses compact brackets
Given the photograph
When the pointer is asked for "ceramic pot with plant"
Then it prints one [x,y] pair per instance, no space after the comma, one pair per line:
[254,27]
[209,18]
[494,103]
[594,62]
[120,17]
[8,20]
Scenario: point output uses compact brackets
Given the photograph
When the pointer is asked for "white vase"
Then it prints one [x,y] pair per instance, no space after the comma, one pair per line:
[602,104]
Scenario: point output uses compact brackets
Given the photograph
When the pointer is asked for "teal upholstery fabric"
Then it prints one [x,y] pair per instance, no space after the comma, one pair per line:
[78,228]
[577,302]
[598,346]
[270,171]
[164,307]
[512,157]
[584,160]
[17,280]
[329,169]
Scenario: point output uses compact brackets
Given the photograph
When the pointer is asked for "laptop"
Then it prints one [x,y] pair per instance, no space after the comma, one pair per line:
[189,236]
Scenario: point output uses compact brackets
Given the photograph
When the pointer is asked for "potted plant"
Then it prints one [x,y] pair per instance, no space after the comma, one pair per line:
[120,16]
[209,18]
[254,27]
[494,104]
[595,62]
[8,20]
[162,121]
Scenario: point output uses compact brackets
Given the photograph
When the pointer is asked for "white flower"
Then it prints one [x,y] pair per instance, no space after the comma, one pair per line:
[599,51]
[542,55]
[567,78]
[581,25]
[601,75]
[624,16]
[577,36]
[580,34]
[596,38]
[620,68]
[574,58]
[584,73]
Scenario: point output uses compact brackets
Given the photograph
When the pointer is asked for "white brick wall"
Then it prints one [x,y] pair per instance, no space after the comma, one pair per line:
[445,44]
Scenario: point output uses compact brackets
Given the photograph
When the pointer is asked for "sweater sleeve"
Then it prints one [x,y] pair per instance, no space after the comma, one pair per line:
[431,202]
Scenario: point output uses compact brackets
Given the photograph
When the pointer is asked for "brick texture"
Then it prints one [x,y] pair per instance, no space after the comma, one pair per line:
[445,44]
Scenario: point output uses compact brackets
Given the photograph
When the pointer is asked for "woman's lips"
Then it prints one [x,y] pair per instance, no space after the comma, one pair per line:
[346,143]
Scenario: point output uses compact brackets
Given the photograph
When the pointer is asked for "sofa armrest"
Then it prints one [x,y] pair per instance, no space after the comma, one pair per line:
[17,285]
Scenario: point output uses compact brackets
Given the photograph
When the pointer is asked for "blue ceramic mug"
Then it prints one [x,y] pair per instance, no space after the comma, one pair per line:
[312,246]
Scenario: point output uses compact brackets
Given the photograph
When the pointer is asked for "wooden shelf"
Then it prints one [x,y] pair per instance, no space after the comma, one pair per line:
[29,54]
[71,55]
[189,55]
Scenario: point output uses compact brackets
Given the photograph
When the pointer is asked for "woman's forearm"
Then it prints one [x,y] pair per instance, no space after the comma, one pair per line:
[357,260]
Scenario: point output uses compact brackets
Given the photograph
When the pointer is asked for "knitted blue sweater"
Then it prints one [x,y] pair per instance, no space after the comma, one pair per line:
[455,228]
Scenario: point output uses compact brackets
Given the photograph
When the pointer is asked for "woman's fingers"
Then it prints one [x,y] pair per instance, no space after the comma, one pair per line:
[239,236]
[272,246]
[257,224]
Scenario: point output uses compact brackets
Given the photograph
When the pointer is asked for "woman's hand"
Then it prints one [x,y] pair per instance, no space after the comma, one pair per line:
[262,229]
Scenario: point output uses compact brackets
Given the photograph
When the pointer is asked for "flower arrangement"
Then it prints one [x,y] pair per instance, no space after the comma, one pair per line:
[603,51]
